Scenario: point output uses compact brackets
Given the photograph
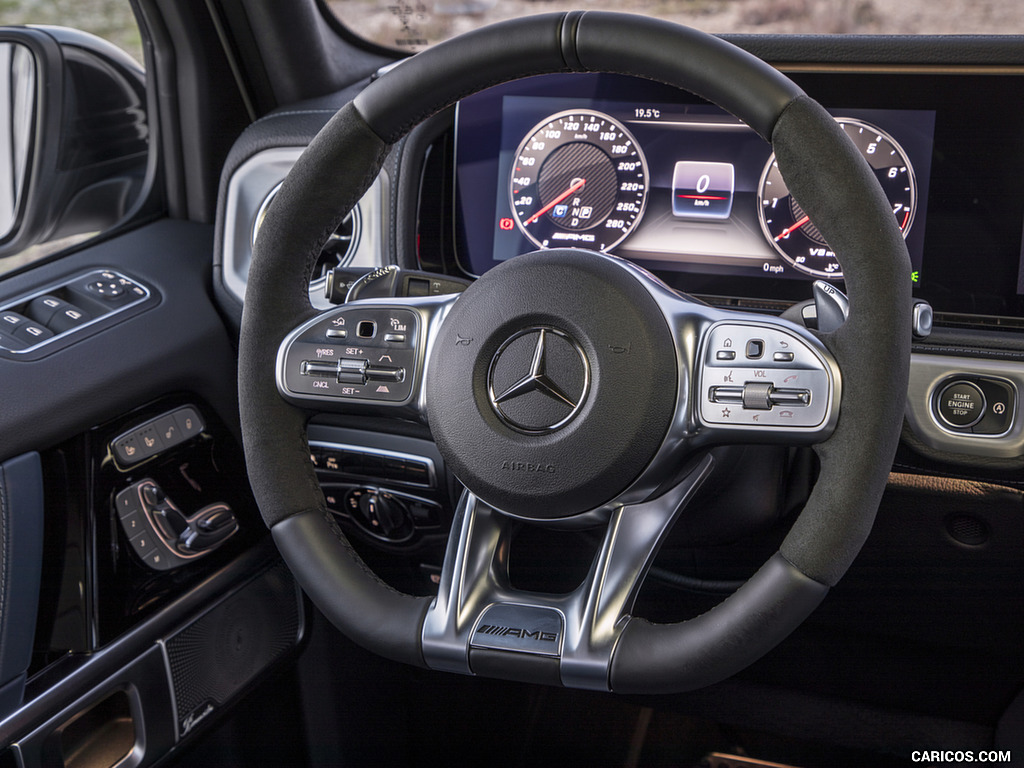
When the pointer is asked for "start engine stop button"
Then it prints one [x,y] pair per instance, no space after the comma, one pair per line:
[961,405]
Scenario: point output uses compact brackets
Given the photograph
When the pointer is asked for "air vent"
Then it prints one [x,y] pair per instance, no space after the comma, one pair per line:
[339,249]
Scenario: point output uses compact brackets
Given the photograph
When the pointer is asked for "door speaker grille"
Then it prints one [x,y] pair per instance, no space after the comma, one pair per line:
[224,650]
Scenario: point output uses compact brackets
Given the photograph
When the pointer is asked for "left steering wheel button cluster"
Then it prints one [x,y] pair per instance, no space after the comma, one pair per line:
[354,353]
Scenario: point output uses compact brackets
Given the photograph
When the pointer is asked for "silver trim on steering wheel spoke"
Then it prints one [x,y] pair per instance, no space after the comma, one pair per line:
[365,354]
[745,377]
[477,608]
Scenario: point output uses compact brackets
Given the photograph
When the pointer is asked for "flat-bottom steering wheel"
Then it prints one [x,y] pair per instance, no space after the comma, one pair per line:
[571,386]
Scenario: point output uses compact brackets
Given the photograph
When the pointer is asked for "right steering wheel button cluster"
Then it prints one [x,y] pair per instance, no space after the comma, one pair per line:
[779,383]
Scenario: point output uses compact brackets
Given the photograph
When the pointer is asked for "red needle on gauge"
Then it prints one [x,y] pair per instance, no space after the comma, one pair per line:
[794,228]
[576,186]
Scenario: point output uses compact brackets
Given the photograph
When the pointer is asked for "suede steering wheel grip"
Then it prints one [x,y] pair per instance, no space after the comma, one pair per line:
[823,170]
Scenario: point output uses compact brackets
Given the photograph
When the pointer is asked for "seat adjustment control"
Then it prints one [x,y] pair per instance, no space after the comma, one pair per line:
[157,435]
[161,534]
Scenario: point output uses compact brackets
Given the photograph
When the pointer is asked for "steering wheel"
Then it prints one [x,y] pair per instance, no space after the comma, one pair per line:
[572,387]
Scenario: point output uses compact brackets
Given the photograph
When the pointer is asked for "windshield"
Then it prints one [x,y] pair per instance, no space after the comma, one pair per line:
[412,26]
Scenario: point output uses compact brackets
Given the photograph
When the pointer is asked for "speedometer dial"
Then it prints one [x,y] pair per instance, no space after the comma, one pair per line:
[579,179]
[791,232]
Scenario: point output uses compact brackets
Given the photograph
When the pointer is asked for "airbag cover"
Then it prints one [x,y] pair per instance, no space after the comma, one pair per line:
[583,366]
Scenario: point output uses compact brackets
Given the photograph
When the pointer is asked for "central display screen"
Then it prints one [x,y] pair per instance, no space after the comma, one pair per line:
[669,185]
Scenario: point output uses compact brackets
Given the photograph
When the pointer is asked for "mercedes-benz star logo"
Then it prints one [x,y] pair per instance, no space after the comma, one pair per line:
[538,380]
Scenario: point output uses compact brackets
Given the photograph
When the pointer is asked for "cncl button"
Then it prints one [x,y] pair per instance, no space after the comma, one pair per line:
[961,404]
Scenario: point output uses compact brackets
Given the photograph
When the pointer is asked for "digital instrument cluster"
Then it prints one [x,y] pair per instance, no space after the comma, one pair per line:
[658,177]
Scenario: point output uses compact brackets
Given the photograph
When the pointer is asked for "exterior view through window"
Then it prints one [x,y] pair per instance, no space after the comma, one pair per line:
[414,25]
[111,20]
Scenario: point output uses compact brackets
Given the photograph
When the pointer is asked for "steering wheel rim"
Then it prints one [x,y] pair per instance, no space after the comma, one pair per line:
[822,169]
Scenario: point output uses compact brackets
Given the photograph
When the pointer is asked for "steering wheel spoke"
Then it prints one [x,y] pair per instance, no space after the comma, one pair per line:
[741,377]
[478,610]
[365,355]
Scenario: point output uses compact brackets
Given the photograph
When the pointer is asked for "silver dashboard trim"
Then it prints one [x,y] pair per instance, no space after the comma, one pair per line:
[249,187]
[928,372]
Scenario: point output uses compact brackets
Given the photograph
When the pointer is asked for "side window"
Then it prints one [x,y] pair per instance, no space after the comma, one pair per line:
[74,133]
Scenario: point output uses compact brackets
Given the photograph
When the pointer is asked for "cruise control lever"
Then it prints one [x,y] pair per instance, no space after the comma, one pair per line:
[344,284]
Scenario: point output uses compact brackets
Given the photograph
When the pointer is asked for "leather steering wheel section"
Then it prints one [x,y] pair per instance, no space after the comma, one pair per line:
[544,376]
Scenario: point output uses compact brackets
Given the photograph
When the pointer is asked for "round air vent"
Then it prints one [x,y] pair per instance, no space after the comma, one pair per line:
[339,249]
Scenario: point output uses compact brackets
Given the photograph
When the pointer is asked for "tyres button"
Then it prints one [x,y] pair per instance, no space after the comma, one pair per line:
[961,405]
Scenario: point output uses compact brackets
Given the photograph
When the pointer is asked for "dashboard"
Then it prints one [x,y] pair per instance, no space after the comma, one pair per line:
[678,186]
[682,188]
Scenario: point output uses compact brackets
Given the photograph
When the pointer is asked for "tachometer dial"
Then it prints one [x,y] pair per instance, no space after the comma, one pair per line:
[791,232]
[579,179]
